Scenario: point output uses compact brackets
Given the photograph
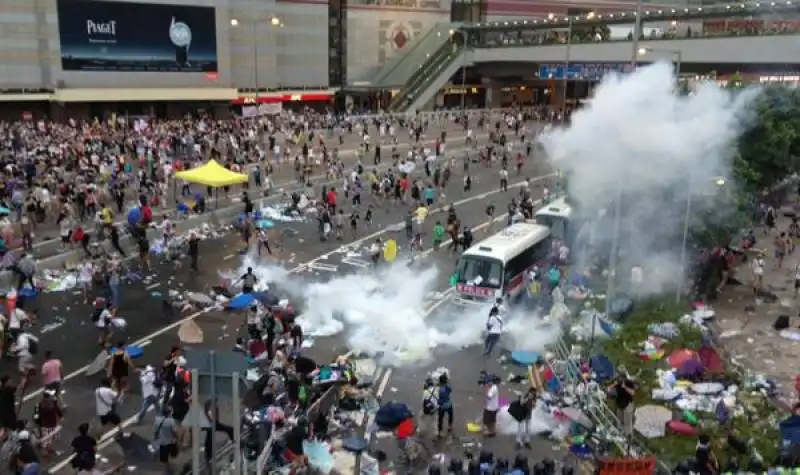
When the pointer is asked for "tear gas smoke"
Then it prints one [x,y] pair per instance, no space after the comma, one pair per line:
[640,140]
[394,311]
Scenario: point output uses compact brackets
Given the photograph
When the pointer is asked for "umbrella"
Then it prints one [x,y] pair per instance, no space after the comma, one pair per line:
[690,368]
[577,416]
[267,299]
[190,333]
[134,216]
[264,224]
[711,359]
[199,298]
[678,357]
[708,388]
[99,363]
[651,421]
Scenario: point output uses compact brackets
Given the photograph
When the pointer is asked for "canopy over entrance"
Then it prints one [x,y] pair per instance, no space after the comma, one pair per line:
[212,174]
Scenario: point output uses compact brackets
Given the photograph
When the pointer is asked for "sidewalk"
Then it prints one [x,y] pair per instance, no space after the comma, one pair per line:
[48,244]
[746,323]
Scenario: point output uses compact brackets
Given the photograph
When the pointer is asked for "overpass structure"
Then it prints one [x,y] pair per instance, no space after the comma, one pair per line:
[426,65]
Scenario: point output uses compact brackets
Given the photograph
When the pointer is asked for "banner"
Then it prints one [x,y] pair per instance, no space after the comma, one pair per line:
[144,37]
[273,108]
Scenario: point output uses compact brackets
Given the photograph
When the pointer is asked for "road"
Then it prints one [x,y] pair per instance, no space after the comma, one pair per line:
[141,307]
[46,243]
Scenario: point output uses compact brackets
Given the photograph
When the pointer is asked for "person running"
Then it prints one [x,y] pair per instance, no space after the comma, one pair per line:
[119,367]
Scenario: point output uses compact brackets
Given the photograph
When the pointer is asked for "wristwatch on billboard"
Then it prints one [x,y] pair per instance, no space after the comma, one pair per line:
[181,36]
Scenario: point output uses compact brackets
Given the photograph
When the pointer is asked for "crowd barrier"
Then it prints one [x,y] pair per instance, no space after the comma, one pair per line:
[323,405]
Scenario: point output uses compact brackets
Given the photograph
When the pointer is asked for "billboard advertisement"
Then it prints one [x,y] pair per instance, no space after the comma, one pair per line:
[138,37]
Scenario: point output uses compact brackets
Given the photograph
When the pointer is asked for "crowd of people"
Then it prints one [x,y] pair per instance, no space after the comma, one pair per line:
[98,155]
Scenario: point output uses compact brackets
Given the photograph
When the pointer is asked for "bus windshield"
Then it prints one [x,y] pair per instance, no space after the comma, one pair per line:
[557,225]
[480,271]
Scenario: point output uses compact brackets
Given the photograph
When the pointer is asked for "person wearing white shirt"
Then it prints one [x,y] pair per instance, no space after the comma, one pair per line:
[85,273]
[494,328]
[375,251]
[491,404]
[25,348]
[105,401]
[758,272]
[151,391]
[15,321]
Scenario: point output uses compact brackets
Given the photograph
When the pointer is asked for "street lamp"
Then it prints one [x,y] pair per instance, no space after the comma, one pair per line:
[275,22]
[464,39]
[718,181]
[675,52]
[618,196]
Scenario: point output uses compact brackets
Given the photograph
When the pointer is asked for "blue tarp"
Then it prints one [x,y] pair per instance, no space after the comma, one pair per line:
[132,350]
[240,301]
[602,367]
[319,456]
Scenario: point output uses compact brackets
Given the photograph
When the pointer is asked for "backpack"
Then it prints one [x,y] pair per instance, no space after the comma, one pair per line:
[33,345]
[430,403]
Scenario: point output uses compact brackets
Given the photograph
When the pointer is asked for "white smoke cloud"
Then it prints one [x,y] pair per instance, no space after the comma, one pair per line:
[639,138]
[395,312]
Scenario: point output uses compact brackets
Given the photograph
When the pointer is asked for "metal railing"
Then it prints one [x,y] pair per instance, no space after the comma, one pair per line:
[565,365]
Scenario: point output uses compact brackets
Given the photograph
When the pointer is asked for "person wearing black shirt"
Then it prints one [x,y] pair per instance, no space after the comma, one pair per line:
[113,236]
[194,249]
[169,371]
[707,463]
[294,444]
[249,281]
[84,448]
[8,410]
[270,326]
[248,204]
[624,389]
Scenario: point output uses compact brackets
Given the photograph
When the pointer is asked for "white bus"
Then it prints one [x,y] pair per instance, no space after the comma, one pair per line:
[496,266]
[556,215]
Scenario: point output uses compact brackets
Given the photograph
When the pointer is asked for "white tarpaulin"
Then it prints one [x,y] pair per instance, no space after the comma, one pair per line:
[273,108]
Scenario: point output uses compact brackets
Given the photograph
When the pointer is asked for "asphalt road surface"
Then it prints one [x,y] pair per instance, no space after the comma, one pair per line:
[141,307]
[284,176]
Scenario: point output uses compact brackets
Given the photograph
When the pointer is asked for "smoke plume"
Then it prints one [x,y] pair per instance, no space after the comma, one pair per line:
[639,139]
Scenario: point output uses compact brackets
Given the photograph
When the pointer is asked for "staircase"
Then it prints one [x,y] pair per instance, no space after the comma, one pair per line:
[431,75]
[404,65]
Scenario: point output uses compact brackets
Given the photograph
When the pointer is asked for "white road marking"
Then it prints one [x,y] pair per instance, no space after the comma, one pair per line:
[355,262]
[152,286]
[229,257]
[323,267]
[80,371]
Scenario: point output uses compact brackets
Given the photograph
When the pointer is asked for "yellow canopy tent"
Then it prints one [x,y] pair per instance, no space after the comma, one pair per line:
[212,174]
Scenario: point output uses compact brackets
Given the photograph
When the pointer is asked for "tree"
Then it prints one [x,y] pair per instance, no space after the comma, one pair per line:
[769,148]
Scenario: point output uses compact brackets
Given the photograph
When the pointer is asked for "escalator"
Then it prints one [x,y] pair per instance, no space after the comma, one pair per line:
[421,88]
[401,67]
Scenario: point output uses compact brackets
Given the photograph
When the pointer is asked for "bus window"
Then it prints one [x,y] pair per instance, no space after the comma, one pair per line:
[480,271]
[537,253]
[559,229]
[544,220]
